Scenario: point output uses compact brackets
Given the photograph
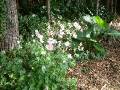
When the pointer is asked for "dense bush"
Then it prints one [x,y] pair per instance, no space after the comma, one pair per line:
[33,67]
[81,38]
[90,38]
[74,9]
[29,23]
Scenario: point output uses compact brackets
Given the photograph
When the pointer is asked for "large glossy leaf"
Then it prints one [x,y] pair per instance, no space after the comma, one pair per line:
[114,33]
[100,22]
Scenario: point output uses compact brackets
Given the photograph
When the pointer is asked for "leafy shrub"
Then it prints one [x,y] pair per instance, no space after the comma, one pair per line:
[28,25]
[90,38]
[32,67]
[80,38]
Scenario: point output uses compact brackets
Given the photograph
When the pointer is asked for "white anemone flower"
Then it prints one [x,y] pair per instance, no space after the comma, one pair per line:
[50,47]
[18,42]
[88,35]
[69,56]
[34,40]
[39,36]
[81,29]
[87,18]
[76,25]
[51,33]
[58,23]
[49,27]
[43,7]
[33,15]
[68,31]
[59,43]
[60,17]
[52,41]
[32,35]
[62,27]
[74,34]
[51,44]
[80,44]
[67,44]
[81,49]
[61,33]
[70,25]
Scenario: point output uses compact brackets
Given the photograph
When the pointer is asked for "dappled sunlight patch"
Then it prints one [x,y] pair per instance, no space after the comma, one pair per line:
[115,23]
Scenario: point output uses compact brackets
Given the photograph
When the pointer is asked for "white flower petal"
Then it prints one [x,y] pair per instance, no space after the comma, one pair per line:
[70,56]
[67,44]
[76,25]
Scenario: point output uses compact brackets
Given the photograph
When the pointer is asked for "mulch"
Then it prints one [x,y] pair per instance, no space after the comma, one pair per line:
[100,74]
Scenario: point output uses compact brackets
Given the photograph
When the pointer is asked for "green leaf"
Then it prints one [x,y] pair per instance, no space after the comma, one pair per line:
[99,47]
[114,33]
[100,21]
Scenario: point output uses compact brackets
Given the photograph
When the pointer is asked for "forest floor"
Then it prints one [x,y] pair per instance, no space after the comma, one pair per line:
[100,74]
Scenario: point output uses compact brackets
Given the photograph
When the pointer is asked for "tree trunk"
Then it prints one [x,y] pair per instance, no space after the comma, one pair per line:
[112,6]
[108,4]
[11,34]
[97,7]
[48,11]
[115,11]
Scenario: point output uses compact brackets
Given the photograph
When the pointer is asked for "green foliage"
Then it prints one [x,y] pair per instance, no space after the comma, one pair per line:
[29,23]
[32,67]
[68,9]
[81,38]
[100,22]
[47,51]
[114,33]
[72,9]
[90,38]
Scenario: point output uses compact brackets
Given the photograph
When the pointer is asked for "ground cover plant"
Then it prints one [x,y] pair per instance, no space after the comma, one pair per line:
[78,38]
[32,67]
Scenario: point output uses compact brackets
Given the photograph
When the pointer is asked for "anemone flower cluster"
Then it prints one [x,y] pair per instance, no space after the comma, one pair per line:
[51,43]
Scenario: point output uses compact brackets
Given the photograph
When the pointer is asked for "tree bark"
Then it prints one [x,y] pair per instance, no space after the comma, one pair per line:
[108,4]
[112,6]
[11,34]
[48,11]
[97,7]
[115,11]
